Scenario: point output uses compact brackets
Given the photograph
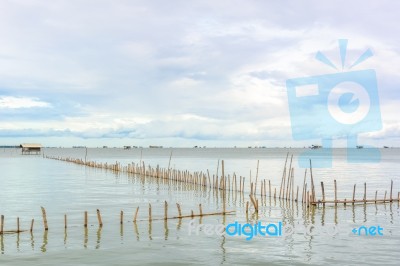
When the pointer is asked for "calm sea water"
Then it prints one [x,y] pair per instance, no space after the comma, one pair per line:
[28,182]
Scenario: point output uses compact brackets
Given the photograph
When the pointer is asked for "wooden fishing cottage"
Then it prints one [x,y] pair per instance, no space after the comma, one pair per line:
[30,148]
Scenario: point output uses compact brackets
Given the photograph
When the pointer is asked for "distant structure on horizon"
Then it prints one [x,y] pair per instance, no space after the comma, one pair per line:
[153,146]
[30,148]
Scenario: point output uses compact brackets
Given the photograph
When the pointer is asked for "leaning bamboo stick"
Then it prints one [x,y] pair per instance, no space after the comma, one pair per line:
[179,209]
[136,214]
[31,229]
[44,219]
[283,174]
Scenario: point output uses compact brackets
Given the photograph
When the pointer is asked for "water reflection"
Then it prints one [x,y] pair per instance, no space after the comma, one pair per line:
[98,240]
[135,227]
[86,237]
[43,248]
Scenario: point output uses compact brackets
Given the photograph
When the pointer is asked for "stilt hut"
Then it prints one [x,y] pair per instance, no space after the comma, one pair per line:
[30,148]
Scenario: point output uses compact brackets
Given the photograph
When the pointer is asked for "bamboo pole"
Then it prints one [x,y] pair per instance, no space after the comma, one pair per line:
[179,209]
[200,210]
[85,224]
[65,221]
[150,212]
[312,183]
[165,210]
[136,214]
[283,174]
[354,192]
[2,225]
[121,216]
[44,219]
[323,191]
[335,192]
[269,185]
[254,203]
[391,189]
[365,191]
[18,231]
[31,229]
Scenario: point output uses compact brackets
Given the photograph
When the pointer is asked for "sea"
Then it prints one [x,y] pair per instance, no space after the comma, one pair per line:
[342,234]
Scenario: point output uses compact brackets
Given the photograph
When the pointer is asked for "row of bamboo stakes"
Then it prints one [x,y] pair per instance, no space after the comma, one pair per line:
[287,190]
[100,220]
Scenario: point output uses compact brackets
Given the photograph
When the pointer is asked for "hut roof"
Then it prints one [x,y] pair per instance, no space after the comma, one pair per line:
[30,145]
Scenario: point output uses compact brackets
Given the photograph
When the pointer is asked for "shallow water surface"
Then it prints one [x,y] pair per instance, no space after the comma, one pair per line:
[28,182]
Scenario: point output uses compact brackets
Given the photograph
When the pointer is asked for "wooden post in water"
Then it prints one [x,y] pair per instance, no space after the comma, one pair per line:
[376,194]
[391,188]
[201,210]
[304,187]
[224,191]
[354,193]
[165,210]
[136,214]
[365,192]
[121,220]
[335,192]
[283,175]
[99,218]
[18,231]
[65,221]
[44,219]
[269,185]
[85,224]
[179,209]
[2,225]
[323,193]
[31,230]
[150,212]
[312,184]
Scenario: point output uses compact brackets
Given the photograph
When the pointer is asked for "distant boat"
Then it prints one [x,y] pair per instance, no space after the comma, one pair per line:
[385,147]
[359,147]
[313,147]
[127,147]
[105,147]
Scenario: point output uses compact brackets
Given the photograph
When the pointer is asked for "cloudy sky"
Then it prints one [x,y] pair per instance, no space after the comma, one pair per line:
[182,73]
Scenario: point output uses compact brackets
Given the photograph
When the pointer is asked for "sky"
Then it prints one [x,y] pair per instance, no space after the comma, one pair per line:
[183,73]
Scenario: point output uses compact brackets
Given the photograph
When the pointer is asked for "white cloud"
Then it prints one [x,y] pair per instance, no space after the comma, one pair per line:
[21,102]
